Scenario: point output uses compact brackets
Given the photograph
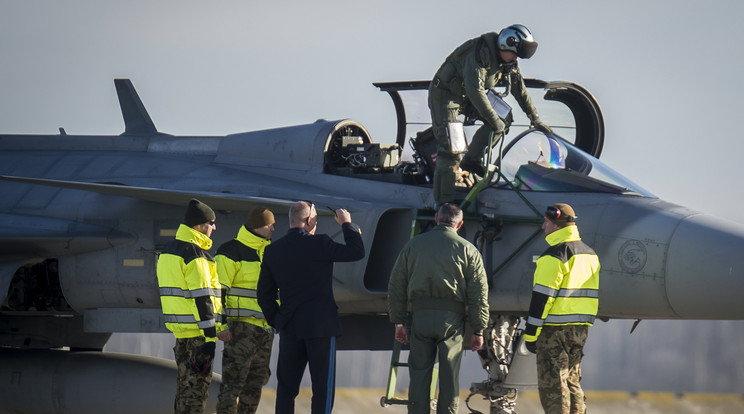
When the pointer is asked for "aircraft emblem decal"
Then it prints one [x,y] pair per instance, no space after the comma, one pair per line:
[632,256]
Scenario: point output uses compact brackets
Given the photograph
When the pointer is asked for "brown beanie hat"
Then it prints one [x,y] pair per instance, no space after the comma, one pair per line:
[197,213]
[259,217]
[561,214]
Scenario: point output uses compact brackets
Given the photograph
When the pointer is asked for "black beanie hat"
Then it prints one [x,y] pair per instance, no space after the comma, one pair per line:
[198,213]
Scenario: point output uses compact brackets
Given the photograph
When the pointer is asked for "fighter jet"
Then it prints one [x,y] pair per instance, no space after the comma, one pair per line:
[83,219]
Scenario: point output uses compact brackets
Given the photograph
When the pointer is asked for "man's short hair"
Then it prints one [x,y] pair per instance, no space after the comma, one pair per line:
[299,212]
[449,215]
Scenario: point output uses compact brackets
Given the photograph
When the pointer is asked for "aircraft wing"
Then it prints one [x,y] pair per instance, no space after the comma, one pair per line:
[23,237]
[218,201]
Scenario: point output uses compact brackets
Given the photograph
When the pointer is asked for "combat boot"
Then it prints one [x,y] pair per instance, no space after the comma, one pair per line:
[475,167]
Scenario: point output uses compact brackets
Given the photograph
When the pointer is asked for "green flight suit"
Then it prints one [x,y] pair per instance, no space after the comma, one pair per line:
[440,277]
[460,86]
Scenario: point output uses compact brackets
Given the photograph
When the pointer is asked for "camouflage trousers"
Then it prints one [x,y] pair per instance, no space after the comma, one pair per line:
[245,368]
[559,353]
[192,389]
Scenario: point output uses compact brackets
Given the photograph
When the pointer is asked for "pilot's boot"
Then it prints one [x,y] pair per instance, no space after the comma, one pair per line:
[474,166]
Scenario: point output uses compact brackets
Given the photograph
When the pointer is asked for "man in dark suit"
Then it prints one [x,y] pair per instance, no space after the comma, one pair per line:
[300,266]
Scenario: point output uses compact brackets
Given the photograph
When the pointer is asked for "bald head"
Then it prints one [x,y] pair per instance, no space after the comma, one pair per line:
[303,215]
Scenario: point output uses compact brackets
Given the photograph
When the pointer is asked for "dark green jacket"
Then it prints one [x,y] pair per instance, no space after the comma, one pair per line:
[475,67]
[439,270]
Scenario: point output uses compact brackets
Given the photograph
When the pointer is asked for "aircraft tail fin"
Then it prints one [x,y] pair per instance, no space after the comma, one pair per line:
[136,119]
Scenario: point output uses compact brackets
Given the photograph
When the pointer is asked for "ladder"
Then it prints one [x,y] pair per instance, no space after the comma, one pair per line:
[395,362]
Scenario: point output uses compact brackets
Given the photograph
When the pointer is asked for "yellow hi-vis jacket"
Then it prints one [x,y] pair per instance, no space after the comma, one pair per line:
[566,284]
[189,286]
[238,266]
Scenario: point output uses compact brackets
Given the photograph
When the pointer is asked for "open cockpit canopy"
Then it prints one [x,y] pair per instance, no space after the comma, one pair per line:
[529,159]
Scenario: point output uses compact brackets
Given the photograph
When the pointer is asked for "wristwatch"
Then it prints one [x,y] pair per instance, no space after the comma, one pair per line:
[398,325]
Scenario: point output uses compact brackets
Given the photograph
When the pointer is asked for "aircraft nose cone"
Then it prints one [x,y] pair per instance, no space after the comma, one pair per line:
[705,269]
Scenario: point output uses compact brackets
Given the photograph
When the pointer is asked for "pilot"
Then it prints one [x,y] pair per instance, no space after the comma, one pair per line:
[190,297]
[565,299]
[460,86]
[245,360]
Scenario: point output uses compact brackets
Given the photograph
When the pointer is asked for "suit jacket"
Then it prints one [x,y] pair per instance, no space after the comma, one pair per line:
[298,269]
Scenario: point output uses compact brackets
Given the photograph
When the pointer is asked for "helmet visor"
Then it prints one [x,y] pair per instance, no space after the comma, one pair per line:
[526,49]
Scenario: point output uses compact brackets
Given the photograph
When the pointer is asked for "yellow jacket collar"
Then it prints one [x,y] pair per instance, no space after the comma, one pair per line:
[187,234]
[251,239]
[568,233]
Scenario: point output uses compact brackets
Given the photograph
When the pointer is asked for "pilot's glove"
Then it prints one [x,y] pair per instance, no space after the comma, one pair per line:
[531,346]
[202,359]
[499,127]
[542,126]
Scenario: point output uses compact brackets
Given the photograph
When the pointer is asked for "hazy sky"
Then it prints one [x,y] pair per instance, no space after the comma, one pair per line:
[666,73]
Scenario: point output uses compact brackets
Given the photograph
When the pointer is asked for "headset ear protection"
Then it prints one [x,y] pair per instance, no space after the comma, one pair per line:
[511,41]
[554,213]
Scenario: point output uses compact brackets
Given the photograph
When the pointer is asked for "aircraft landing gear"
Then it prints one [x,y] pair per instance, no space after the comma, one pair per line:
[496,356]
[502,400]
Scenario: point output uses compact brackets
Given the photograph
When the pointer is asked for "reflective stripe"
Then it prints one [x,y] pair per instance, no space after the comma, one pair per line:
[579,293]
[188,294]
[191,319]
[171,291]
[242,292]
[209,323]
[243,313]
[535,321]
[566,293]
[545,290]
[206,292]
[566,319]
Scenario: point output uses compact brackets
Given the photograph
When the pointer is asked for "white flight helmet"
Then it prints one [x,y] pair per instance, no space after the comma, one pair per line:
[518,39]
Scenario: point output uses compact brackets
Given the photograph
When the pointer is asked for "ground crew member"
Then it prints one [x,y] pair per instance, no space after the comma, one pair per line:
[460,86]
[565,299]
[299,268]
[190,297]
[440,277]
[245,359]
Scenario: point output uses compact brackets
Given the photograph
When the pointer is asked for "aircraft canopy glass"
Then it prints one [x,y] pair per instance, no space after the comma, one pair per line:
[536,162]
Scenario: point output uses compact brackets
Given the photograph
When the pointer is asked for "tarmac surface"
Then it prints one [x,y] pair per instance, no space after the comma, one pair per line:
[367,400]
